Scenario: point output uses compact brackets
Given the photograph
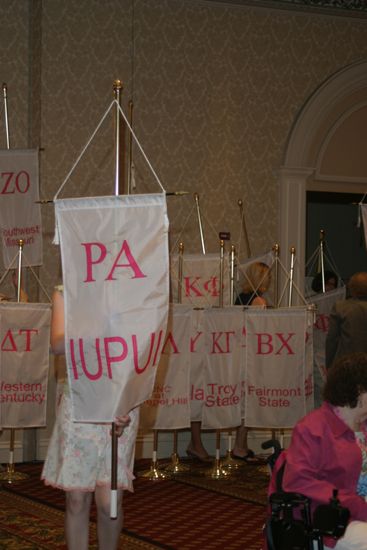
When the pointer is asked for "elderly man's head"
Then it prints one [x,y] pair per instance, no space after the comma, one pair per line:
[358,284]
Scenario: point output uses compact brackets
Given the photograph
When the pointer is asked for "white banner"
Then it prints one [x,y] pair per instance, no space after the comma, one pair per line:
[197,365]
[200,281]
[116,285]
[279,388]
[224,371]
[20,214]
[24,363]
[168,407]
[323,302]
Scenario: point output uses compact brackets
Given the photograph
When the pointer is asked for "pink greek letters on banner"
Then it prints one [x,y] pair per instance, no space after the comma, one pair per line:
[19,211]
[24,362]
[279,380]
[115,270]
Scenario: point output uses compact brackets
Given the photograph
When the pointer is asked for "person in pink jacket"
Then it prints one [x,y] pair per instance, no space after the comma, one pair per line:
[328,450]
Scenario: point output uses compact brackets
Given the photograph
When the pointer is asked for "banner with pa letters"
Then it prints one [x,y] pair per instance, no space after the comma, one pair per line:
[168,408]
[24,364]
[20,214]
[200,279]
[278,365]
[114,254]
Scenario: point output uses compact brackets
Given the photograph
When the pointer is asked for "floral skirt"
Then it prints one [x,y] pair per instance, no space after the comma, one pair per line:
[79,454]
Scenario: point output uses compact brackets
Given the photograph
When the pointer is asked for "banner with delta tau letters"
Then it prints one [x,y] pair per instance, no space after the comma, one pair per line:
[200,279]
[24,364]
[169,406]
[114,254]
[20,214]
[279,364]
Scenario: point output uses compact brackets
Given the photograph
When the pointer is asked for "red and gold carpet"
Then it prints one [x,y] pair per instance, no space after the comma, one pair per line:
[188,512]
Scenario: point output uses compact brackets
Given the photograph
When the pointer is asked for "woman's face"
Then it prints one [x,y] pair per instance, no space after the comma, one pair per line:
[361,409]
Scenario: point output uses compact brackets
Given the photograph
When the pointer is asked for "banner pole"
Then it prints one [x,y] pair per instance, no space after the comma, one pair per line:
[130,161]
[293,253]
[5,96]
[11,475]
[276,277]
[196,197]
[117,88]
[217,472]
[321,259]
[245,234]
[176,467]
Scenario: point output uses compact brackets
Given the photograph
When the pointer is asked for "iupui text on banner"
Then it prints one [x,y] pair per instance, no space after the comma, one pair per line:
[116,291]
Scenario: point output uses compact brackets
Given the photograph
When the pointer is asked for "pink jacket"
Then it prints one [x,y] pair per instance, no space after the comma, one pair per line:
[323,455]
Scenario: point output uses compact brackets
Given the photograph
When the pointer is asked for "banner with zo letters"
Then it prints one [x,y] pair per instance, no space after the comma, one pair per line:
[114,254]
[20,213]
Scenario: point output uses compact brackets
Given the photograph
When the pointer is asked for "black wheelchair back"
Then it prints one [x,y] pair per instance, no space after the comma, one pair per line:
[290,525]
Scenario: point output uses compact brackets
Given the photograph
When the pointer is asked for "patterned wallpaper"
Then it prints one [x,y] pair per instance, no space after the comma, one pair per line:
[215,87]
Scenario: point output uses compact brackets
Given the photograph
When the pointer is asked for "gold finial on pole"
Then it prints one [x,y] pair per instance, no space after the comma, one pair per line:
[196,197]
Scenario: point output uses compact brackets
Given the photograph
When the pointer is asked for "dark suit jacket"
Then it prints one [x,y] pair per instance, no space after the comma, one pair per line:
[347,329]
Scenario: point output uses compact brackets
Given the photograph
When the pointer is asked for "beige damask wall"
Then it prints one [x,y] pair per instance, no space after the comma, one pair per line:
[216,88]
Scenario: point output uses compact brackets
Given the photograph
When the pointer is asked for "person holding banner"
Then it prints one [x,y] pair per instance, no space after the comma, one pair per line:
[328,451]
[79,460]
[348,321]
[257,282]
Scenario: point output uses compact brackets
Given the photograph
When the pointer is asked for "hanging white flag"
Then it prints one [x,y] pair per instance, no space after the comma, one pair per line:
[324,303]
[223,370]
[168,407]
[115,266]
[20,214]
[279,388]
[200,279]
[24,363]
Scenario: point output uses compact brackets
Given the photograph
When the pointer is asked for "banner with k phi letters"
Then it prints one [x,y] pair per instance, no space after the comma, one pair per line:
[223,370]
[24,364]
[279,387]
[324,303]
[200,279]
[114,254]
[169,407]
[20,214]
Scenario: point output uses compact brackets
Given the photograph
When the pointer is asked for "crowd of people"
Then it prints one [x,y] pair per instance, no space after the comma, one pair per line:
[328,448]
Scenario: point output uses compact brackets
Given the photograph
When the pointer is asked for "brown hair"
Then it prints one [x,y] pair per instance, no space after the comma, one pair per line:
[358,284]
[346,380]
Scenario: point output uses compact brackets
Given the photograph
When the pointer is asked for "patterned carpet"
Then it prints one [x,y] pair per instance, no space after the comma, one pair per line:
[190,511]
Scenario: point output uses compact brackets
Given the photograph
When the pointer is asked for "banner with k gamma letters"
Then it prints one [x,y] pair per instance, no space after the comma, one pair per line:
[278,366]
[114,254]
[20,214]
[24,363]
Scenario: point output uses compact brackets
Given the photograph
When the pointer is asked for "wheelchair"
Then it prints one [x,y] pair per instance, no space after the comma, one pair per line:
[290,525]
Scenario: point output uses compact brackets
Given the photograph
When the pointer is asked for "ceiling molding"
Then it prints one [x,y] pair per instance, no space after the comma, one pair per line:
[346,8]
